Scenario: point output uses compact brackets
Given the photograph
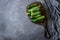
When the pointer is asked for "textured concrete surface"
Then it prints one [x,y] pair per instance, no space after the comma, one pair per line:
[14,23]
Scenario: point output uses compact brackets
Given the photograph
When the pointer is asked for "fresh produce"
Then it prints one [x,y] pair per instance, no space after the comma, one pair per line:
[33,5]
[40,18]
[35,13]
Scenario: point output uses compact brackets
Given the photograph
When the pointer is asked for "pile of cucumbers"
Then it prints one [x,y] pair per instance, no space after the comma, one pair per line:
[35,13]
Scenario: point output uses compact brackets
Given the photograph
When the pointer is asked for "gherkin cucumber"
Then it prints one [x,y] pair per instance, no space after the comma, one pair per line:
[35,16]
[36,13]
[34,9]
[38,19]
[32,5]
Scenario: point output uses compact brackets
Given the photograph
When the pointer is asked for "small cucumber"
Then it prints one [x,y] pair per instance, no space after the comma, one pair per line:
[38,19]
[36,13]
[35,16]
[32,5]
[34,9]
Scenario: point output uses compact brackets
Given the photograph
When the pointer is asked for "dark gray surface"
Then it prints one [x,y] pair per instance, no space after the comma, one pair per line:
[14,23]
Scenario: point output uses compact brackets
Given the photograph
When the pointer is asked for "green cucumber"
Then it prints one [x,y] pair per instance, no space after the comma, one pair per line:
[36,13]
[35,16]
[38,19]
[34,9]
[32,5]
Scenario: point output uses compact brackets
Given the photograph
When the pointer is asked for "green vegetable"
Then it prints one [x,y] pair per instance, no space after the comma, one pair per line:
[35,16]
[34,9]
[36,13]
[33,5]
[38,19]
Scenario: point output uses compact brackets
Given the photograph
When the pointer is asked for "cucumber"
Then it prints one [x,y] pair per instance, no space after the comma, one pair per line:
[38,19]
[36,13]
[34,9]
[32,5]
[33,17]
